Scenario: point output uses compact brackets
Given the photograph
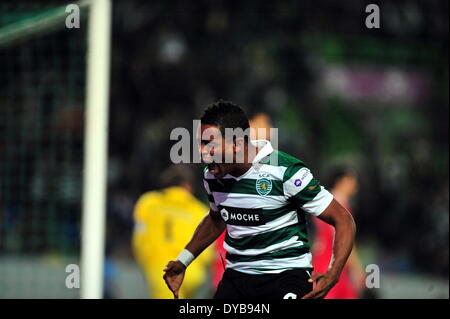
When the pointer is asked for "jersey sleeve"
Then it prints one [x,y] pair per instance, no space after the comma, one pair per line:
[301,188]
[212,204]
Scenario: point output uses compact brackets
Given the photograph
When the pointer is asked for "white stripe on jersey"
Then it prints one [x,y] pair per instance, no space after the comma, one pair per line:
[254,172]
[273,266]
[249,200]
[319,203]
[275,172]
[303,177]
[208,190]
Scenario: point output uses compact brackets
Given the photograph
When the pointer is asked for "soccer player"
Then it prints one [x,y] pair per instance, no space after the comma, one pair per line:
[259,123]
[261,198]
[344,185]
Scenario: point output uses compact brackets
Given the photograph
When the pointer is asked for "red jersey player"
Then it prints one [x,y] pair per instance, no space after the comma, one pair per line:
[344,186]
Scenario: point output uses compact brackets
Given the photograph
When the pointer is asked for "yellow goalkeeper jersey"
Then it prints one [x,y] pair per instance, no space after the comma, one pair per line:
[164,223]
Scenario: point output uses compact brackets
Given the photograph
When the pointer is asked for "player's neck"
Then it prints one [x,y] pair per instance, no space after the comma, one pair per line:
[242,168]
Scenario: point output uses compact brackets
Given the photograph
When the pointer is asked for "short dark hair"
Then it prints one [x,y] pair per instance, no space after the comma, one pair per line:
[225,114]
[338,173]
[176,175]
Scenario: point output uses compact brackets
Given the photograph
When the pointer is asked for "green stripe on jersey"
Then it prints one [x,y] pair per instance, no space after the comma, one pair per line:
[269,238]
[243,186]
[285,253]
[211,198]
[272,214]
[308,193]
[292,170]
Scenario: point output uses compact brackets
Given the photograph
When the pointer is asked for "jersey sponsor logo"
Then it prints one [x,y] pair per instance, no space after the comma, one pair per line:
[263,186]
[303,174]
[224,214]
[242,216]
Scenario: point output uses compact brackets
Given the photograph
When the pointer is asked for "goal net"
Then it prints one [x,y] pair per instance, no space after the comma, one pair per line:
[44,86]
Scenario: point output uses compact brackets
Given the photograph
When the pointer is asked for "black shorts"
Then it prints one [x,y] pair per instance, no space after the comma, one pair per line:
[289,284]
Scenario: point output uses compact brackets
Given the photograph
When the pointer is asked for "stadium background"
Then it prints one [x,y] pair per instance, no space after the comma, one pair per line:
[337,91]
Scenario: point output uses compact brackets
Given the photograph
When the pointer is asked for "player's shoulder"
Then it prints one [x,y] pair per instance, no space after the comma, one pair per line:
[149,197]
[280,158]
[145,202]
[289,163]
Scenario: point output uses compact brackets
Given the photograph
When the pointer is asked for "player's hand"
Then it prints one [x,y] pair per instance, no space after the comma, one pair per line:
[174,275]
[322,284]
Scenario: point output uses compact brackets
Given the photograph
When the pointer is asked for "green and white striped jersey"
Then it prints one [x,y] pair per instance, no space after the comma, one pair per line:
[264,210]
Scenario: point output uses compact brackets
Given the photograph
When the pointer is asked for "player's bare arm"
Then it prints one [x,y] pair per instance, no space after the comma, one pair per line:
[345,228]
[205,234]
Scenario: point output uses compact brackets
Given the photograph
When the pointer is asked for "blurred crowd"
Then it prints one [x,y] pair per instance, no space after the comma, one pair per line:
[339,93]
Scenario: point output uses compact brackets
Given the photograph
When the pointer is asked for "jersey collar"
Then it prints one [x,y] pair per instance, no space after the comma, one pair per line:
[265,150]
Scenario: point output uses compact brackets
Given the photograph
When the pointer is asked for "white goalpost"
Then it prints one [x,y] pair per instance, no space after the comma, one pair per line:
[95,149]
[93,207]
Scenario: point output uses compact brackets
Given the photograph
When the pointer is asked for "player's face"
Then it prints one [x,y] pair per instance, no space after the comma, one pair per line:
[216,151]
